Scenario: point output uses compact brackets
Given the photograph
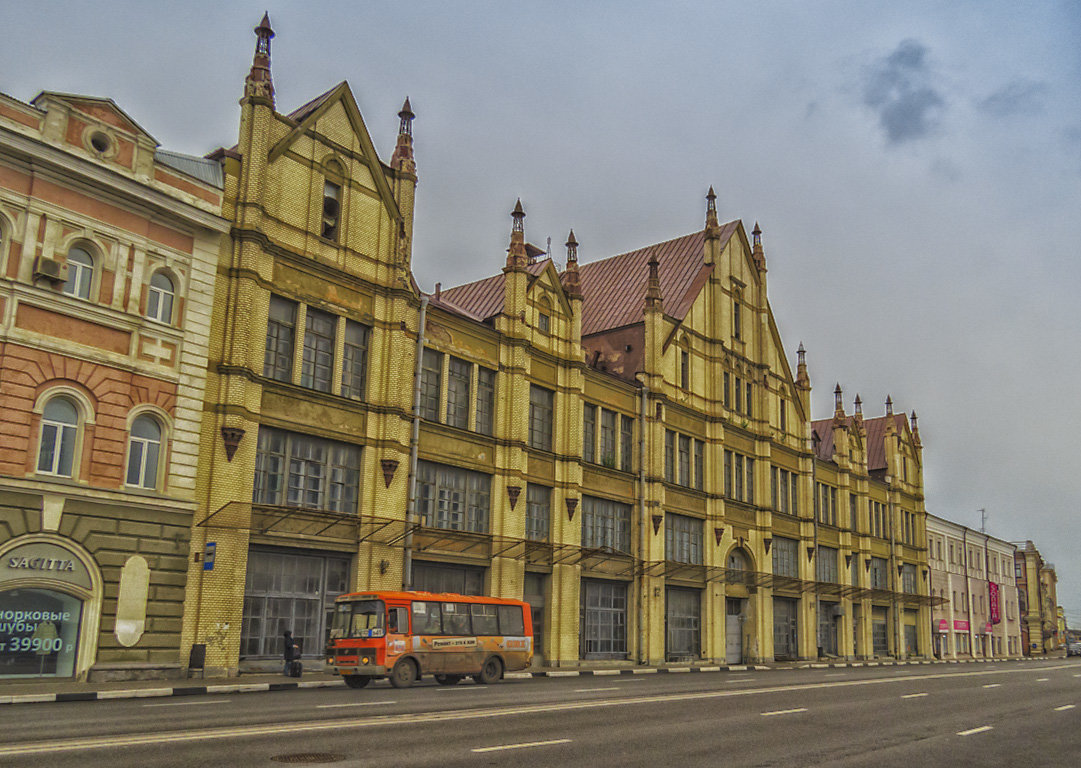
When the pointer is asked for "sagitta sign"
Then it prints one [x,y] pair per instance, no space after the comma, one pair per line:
[43,560]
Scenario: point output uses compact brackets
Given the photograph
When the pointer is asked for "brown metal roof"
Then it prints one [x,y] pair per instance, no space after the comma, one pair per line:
[484,298]
[876,438]
[614,289]
[304,110]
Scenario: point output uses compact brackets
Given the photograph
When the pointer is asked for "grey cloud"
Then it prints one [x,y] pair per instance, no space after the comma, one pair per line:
[899,89]
[1014,98]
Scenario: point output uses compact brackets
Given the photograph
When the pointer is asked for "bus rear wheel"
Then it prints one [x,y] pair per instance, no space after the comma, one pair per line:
[357,681]
[404,674]
[448,679]
[490,672]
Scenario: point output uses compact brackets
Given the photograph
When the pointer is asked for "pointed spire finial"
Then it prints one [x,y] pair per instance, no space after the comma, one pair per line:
[572,249]
[516,254]
[915,429]
[571,280]
[889,405]
[858,405]
[838,405]
[803,381]
[258,82]
[518,214]
[713,228]
[406,115]
[402,159]
[653,283]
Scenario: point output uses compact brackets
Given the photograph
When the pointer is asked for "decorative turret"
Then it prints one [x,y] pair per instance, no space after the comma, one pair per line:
[654,300]
[857,412]
[713,227]
[258,84]
[516,254]
[916,431]
[756,248]
[803,381]
[572,282]
[402,159]
[889,405]
[839,417]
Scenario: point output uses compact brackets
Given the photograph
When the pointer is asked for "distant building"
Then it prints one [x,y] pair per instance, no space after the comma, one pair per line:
[108,247]
[1036,583]
[977,612]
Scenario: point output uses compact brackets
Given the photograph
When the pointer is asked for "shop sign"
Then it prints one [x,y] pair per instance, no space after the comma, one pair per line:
[987,629]
[209,555]
[943,625]
[42,560]
[39,633]
[962,625]
[993,601]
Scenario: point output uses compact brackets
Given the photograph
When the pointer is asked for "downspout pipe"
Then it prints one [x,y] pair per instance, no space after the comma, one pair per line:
[414,442]
[643,411]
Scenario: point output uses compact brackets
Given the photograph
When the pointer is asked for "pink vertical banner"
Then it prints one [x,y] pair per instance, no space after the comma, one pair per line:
[993,600]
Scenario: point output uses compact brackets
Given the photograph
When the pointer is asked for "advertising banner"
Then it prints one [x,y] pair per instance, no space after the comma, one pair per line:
[993,601]
[943,625]
[961,625]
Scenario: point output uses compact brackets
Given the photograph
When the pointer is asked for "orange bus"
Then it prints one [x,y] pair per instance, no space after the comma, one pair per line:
[404,635]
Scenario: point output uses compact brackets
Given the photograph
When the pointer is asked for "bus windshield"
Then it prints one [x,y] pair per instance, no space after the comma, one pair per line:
[359,618]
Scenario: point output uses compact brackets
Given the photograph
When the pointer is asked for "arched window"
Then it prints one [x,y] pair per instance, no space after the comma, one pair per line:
[80,273]
[737,560]
[59,435]
[144,449]
[159,298]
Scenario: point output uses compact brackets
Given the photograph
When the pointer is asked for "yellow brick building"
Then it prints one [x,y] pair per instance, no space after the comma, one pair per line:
[622,443]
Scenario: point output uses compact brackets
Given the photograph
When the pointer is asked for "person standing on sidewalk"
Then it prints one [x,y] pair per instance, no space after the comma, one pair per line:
[291,653]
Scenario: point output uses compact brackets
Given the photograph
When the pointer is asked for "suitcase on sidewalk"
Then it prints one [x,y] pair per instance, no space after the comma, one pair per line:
[295,668]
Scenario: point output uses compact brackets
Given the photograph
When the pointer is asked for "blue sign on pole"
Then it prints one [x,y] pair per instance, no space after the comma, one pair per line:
[208,557]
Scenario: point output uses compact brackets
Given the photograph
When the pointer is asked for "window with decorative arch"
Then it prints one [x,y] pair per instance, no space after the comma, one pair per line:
[738,560]
[58,446]
[160,297]
[146,440]
[333,179]
[81,266]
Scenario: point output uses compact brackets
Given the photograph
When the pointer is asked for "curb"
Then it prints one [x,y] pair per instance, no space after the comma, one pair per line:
[200,690]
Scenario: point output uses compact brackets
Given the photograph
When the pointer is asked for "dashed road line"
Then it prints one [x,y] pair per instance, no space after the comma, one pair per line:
[354,704]
[914,695]
[1041,679]
[188,703]
[993,685]
[523,745]
[1064,707]
[593,690]
[784,712]
[971,731]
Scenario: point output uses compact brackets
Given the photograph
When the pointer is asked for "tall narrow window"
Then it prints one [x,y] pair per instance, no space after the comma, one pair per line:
[737,319]
[332,203]
[737,475]
[458,375]
[608,438]
[727,390]
[626,443]
[59,433]
[784,415]
[538,510]
[749,391]
[144,450]
[728,474]
[670,456]
[699,465]
[589,433]
[80,273]
[159,298]
[684,369]
[485,400]
[749,497]
[280,337]
[318,354]
[431,376]
[684,460]
[355,360]
[541,413]
[739,394]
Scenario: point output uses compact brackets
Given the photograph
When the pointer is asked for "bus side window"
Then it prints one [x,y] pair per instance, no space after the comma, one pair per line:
[397,620]
[510,620]
[484,620]
[456,619]
[426,618]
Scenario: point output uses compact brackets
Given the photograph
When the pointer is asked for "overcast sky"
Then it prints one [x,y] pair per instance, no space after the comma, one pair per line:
[915,167]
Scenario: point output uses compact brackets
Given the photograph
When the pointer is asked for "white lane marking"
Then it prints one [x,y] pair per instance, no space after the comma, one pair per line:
[187,703]
[523,745]
[591,690]
[354,704]
[914,695]
[1064,707]
[453,688]
[971,731]
[784,712]
[993,685]
[1041,679]
[836,674]
[352,723]
[1077,675]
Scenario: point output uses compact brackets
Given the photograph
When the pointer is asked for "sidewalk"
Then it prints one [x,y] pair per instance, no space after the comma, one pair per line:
[34,691]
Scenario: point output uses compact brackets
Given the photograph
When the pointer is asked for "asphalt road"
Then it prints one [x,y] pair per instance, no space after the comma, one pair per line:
[1010,713]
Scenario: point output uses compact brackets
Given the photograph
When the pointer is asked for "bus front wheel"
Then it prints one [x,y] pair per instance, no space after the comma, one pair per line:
[490,672]
[404,674]
[357,681]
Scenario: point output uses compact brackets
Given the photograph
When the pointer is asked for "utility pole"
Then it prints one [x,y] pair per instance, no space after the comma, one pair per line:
[983,519]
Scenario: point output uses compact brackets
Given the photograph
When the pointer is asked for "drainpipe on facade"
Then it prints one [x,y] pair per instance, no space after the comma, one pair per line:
[643,411]
[414,442]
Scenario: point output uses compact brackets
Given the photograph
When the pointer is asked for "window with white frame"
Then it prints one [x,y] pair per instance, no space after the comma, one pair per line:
[541,414]
[538,511]
[453,498]
[80,273]
[59,437]
[159,298]
[784,491]
[298,470]
[459,373]
[280,338]
[682,539]
[606,523]
[431,378]
[738,477]
[355,359]
[785,557]
[144,452]
[318,354]
[826,565]
[485,400]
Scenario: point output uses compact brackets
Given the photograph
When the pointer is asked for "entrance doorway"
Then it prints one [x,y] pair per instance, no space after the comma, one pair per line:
[785,628]
[683,619]
[733,630]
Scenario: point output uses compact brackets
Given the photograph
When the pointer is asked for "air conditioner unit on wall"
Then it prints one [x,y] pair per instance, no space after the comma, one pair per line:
[51,269]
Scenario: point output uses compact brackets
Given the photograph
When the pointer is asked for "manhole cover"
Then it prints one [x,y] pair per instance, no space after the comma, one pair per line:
[308,758]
